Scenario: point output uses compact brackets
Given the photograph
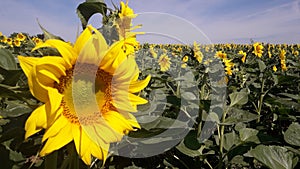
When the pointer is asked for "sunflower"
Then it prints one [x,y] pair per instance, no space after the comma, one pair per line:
[228,66]
[282,57]
[258,49]
[185,59]
[124,21]
[152,52]
[197,53]
[21,37]
[221,55]
[164,62]
[274,68]
[17,42]
[88,94]
[243,54]
[37,40]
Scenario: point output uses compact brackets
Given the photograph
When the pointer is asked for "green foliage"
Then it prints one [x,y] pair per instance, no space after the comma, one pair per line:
[87,9]
[273,156]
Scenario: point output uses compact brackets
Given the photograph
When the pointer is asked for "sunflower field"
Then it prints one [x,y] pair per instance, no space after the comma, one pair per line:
[157,105]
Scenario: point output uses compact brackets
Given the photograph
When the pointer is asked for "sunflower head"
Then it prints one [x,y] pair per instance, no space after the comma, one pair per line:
[164,62]
[258,49]
[88,93]
[124,25]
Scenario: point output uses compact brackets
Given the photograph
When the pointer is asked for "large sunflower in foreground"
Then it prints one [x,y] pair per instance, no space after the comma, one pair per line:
[88,93]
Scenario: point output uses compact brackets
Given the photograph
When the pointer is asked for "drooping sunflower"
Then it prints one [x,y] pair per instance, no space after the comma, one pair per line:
[124,23]
[88,93]
[243,54]
[164,62]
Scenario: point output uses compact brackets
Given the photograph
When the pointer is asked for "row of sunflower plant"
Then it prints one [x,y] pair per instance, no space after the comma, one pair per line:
[67,105]
[258,124]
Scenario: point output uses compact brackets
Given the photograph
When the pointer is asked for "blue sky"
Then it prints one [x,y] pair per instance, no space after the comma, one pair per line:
[215,21]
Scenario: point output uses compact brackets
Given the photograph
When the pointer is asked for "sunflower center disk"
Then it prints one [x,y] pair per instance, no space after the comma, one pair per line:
[87,94]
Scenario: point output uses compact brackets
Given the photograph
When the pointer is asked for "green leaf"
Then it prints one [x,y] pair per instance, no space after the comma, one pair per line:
[238,98]
[11,77]
[189,96]
[87,9]
[272,156]
[238,159]
[249,135]
[230,139]
[191,140]
[15,109]
[151,122]
[292,134]
[189,152]
[48,35]
[262,65]
[236,115]
[293,96]
[6,92]
[7,60]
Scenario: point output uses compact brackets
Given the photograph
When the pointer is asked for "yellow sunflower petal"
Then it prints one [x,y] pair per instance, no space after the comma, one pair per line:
[87,158]
[27,63]
[126,71]
[117,122]
[64,48]
[94,49]
[133,122]
[61,139]
[137,86]
[55,99]
[37,89]
[82,39]
[100,152]
[102,134]
[136,99]
[113,57]
[55,128]
[36,121]
[83,147]
[52,67]
[122,104]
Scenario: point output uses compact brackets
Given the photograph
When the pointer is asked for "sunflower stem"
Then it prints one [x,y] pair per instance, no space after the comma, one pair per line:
[51,161]
[260,101]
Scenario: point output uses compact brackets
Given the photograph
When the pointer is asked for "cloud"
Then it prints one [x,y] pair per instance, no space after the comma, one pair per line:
[231,21]
[222,21]
[275,24]
[21,16]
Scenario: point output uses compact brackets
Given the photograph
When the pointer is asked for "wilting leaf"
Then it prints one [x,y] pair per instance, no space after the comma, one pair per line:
[272,156]
[87,9]
[292,134]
